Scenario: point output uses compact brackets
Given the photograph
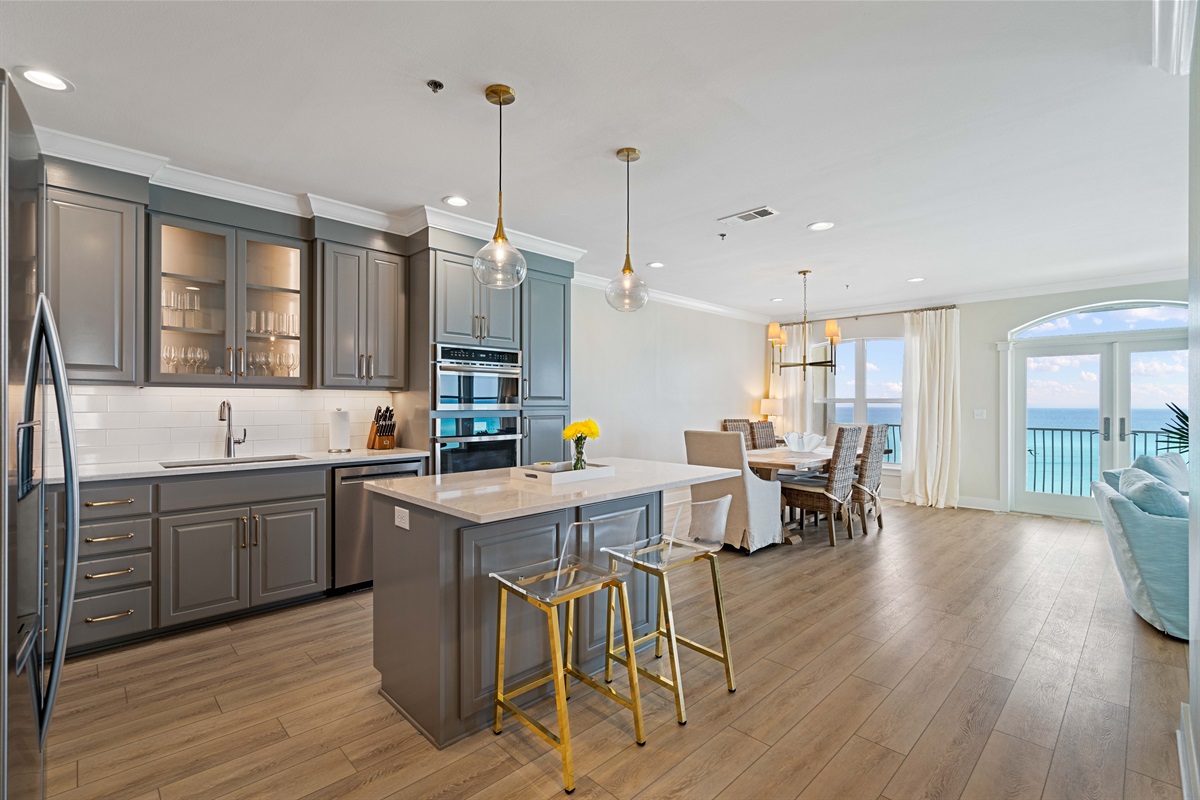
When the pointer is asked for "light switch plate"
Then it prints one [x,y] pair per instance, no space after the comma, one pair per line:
[980,413]
[402,518]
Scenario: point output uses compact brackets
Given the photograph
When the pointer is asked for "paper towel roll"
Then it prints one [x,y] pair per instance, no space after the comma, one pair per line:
[339,431]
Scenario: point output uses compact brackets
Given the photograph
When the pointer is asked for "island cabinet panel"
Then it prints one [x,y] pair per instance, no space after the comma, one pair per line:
[203,565]
[287,550]
[491,548]
[546,335]
[95,254]
[543,435]
[642,588]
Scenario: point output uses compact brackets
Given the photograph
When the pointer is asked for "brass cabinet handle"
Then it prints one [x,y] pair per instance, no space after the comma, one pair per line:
[485,328]
[230,372]
[241,362]
[257,525]
[361,373]
[90,576]
[243,533]
[99,503]
[475,327]
[90,620]
[370,367]
[100,539]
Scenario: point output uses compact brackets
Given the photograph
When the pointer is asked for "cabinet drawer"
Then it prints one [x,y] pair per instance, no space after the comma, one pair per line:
[246,489]
[105,538]
[108,616]
[116,501]
[112,573]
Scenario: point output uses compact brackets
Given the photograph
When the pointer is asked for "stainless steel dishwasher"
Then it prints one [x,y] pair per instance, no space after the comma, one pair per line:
[352,518]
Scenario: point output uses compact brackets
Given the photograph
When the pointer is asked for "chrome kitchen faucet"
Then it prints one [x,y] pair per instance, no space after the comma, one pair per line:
[225,414]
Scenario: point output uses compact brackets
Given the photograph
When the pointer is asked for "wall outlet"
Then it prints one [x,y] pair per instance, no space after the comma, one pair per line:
[402,518]
[980,413]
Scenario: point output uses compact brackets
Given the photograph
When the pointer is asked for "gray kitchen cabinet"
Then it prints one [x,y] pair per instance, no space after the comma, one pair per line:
[288,548]
[642,588]
[364,319]
[543,435]
[546,336]
[94,258]
[466,312]
[490,548]
[203,565]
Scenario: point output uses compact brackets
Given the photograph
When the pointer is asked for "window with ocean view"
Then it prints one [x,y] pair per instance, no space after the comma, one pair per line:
[867,387]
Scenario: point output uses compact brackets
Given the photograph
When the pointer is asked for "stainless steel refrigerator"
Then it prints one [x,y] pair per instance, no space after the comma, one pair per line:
[37,581]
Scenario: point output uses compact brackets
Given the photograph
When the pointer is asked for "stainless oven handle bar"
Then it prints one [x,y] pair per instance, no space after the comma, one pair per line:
[503,437]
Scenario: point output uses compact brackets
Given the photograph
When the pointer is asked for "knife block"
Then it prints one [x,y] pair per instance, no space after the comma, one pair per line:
[377,442]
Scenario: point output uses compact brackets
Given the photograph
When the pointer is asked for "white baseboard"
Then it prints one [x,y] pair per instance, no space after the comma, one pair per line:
[1189,773]
[981,503]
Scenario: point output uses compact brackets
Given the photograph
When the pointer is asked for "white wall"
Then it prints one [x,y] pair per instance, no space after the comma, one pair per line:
[647,376]
[982,326]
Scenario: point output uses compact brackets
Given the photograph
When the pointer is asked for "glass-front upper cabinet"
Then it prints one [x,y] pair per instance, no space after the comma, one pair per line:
[232,306]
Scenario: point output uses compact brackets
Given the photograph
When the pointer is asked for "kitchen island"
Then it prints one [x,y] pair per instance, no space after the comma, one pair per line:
[437,539]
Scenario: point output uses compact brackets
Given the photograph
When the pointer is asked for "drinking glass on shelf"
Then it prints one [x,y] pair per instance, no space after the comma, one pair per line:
[269,325]
[290,360]
[204,358]
[193,305]
[173,352]
[252,322]
[166,358]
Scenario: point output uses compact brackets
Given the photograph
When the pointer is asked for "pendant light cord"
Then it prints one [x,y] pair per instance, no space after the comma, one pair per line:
[500,159]
[626,206]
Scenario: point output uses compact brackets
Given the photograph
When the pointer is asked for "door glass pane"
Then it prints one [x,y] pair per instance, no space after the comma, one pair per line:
[885,368]
[1156,378]
[1062,430]
[888,414]
[273,321]
[193,301]
[843,381]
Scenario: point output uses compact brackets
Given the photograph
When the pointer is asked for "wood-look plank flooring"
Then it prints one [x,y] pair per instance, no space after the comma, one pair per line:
[955,654]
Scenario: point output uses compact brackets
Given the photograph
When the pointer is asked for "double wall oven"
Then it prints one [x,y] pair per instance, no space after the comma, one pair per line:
[476,420]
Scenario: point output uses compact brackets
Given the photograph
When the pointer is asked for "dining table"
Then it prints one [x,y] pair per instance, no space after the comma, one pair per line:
[768,462]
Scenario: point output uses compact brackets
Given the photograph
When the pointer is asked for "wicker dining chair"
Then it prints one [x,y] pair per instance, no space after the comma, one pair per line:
[834,495]
[762,434]
[742,426]
[869,481]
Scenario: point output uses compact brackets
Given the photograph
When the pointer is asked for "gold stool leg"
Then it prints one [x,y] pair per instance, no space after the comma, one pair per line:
[567,646]
[635,694]
[502,607]
[722,625]
[664,596]
[660,631]
[560,700]
[608,635]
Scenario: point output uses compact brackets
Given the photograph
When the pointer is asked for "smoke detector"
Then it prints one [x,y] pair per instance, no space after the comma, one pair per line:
[753,215]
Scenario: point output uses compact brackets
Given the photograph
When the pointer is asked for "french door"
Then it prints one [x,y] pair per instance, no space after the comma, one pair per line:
[1084,407]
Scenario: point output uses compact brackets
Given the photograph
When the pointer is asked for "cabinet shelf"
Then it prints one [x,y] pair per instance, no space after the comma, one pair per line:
[202,331]
[258,287]
[276,336]
[176,276]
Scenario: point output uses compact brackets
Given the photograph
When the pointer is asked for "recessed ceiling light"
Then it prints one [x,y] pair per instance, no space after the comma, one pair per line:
[820,226]
[656,264]
[915,280]
[455,200]
[776,299]
[46,80]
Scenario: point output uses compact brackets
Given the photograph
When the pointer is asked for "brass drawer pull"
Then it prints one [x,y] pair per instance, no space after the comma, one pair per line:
[90,576]
[90,620]
[99,539]
[257,525]
[99,503]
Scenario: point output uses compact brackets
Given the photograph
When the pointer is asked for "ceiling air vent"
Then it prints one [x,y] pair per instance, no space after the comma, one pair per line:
[753,215]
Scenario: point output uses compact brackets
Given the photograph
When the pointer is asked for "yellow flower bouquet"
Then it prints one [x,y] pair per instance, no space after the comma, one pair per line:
[579,433]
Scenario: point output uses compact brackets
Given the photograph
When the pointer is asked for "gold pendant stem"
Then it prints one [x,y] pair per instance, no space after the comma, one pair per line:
[499,236]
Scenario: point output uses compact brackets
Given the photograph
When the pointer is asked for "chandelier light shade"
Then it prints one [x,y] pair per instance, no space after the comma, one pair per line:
[831,329]
[774,333]
[498,264]
[627,292]
[777,336]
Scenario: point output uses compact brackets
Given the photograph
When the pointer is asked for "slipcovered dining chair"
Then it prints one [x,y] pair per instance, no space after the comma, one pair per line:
[869,480]
[753,520]
[741,426]
[833,494]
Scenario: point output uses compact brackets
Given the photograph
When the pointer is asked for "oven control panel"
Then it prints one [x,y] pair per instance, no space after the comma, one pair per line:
[478,356]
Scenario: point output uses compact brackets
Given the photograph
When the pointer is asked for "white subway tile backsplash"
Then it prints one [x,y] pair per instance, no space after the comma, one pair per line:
[139,436]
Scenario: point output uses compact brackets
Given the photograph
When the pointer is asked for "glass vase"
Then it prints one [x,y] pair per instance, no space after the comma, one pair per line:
[580,458]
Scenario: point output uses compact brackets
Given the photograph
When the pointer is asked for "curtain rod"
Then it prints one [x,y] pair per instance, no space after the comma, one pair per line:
[876,314]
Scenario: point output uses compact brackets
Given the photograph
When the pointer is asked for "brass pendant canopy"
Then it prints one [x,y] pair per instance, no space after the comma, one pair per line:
[498,264]
[627,292]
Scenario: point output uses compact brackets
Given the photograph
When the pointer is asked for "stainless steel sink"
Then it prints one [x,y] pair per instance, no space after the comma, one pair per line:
[216,462]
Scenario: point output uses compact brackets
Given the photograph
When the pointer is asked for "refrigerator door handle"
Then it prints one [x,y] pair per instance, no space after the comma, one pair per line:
[45,334]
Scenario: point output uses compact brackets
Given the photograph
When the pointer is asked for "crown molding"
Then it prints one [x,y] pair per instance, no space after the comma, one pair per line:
[327,208]
[97,153]
[1174,35]
[224,189]
[456,223]
[656,296]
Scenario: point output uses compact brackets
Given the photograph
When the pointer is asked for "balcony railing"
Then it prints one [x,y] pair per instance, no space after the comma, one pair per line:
[893,444]
[1067,460]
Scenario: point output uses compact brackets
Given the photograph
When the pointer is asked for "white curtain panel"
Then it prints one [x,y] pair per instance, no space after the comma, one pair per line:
[790,386]
[930,425]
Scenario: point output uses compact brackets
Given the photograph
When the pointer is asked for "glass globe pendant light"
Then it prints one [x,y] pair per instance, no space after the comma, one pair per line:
[498,264]
[627,292]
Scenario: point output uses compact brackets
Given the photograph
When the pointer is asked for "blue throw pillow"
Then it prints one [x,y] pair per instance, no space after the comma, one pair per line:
[1169,468]
[1152,495]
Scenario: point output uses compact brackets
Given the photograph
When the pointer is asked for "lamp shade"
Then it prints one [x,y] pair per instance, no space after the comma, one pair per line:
[773,331]
[831,329]
[782,337]
[771,407]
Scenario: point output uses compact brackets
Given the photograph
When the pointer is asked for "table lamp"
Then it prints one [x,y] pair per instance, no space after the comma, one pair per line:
[771,407]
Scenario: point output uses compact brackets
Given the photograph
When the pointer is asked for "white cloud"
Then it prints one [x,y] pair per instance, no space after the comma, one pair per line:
[871,367]
[1153,366]
[1089,376]
[895,387]
[1056,363]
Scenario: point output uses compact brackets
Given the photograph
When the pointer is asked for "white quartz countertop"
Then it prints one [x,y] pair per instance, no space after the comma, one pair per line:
[491,495]
[153,469]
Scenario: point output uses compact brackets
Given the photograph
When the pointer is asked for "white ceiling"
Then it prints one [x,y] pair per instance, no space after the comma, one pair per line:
[989,147]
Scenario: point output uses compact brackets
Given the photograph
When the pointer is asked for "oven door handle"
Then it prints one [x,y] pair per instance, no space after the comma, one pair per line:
[467,369]
[502,437]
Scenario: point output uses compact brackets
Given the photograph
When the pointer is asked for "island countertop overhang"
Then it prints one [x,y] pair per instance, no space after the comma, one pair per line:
[493,496]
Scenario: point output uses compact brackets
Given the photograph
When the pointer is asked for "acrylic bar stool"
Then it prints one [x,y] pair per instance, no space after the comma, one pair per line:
[701,542]
[561,582]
